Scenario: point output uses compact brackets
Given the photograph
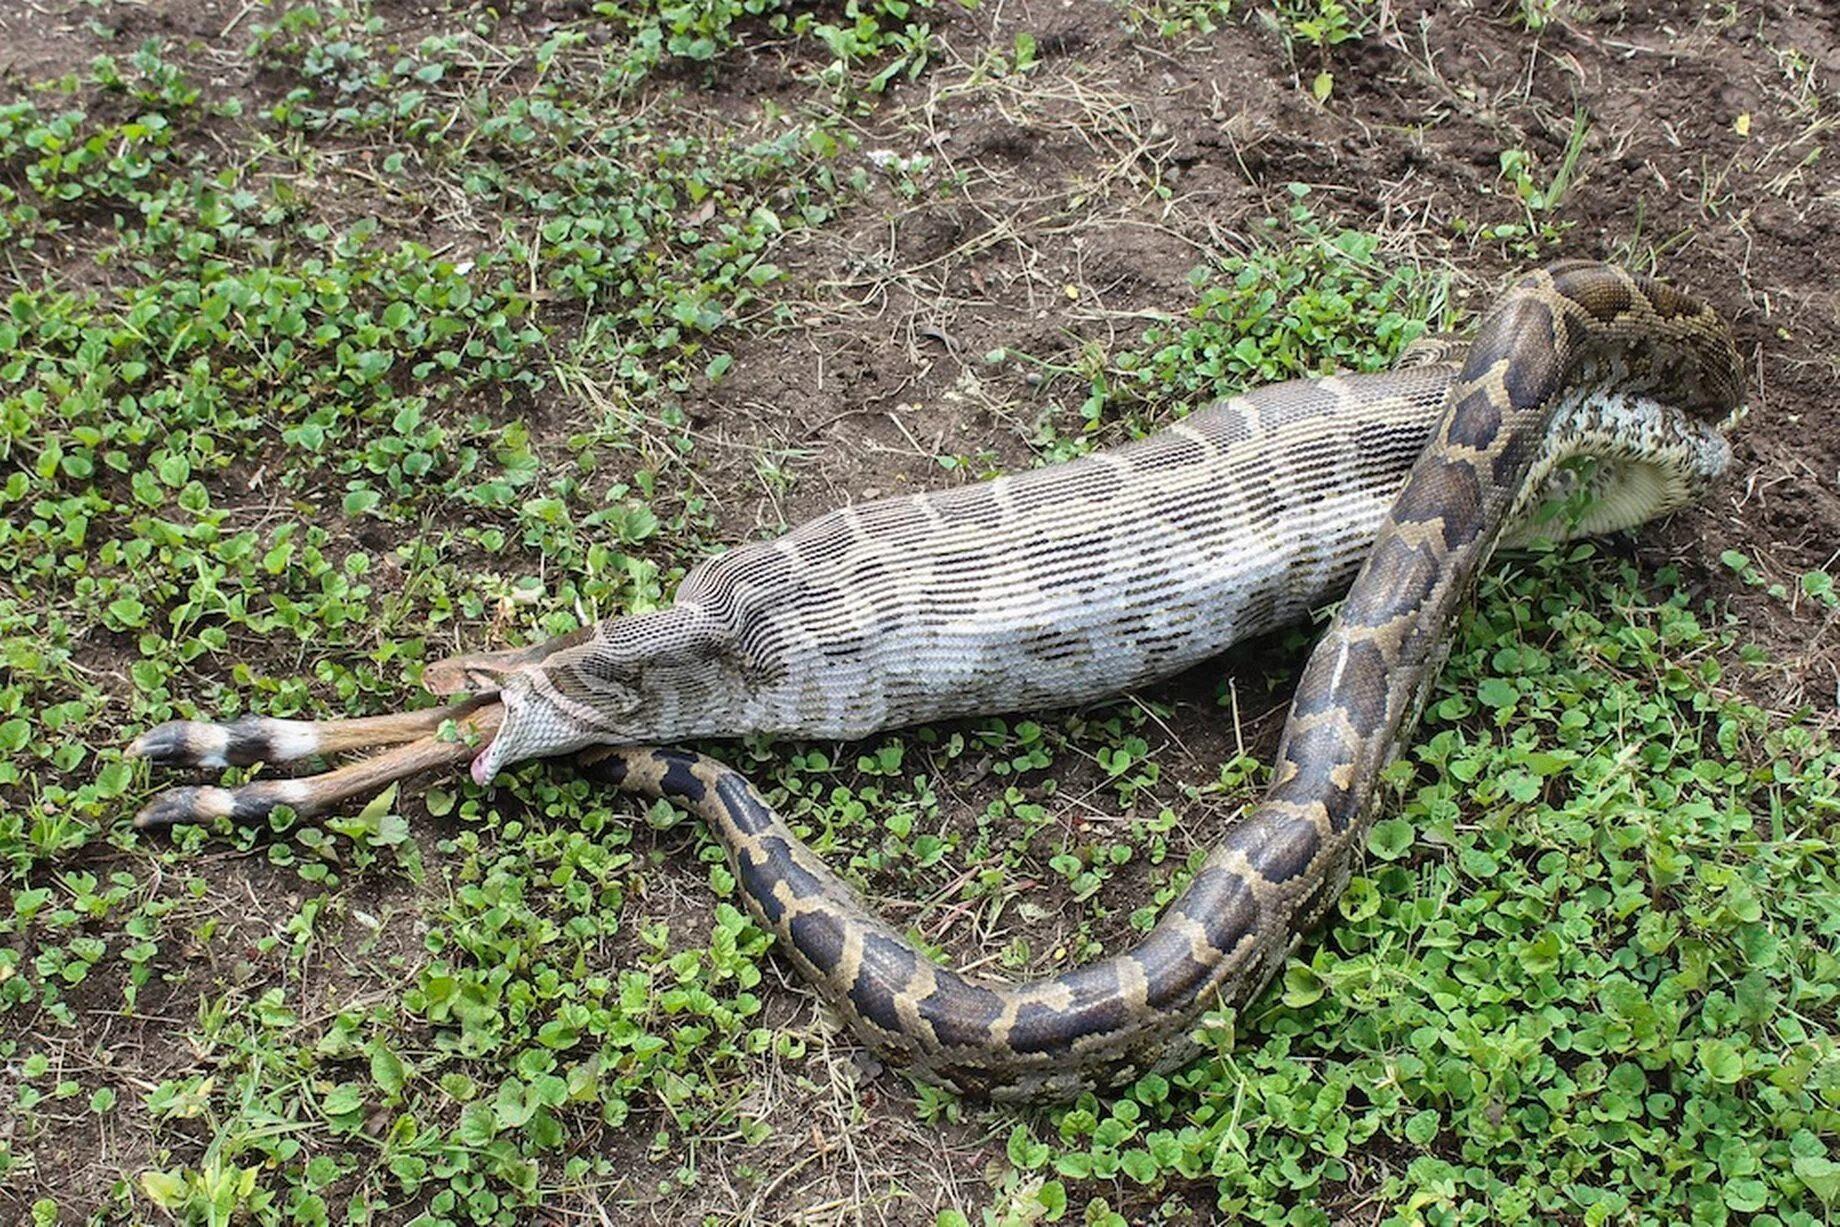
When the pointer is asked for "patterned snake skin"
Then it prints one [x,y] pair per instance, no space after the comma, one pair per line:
[1086,579]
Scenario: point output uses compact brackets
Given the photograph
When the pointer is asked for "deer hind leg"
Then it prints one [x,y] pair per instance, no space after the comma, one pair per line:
[415,737]
[248,740]
[261,739]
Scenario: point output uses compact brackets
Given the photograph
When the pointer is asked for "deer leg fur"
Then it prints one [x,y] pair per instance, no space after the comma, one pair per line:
[415,738]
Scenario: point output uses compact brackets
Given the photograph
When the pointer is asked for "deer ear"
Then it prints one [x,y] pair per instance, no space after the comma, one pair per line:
[486,672]
[475,673]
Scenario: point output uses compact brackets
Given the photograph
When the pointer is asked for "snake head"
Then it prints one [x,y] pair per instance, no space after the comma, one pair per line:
[657,677]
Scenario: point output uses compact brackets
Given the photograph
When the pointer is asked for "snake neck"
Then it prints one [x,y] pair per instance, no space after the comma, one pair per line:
[669,676]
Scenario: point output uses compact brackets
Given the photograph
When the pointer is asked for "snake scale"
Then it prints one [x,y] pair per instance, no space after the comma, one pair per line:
[1074,582]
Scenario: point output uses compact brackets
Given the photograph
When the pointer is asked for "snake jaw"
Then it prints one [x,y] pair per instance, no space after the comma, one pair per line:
[496,754]
[537,721]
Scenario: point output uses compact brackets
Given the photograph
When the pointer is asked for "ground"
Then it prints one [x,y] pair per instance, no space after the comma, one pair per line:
[342,337]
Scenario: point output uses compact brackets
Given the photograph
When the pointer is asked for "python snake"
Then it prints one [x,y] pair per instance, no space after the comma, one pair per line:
[1079,581]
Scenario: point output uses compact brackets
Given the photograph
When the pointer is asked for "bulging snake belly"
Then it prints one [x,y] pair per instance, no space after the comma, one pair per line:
[1086,579]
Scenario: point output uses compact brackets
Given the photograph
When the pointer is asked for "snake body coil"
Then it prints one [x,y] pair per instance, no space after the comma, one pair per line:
[1569,329]
[1079,581]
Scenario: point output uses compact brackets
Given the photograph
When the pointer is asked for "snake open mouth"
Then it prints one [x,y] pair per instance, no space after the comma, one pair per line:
[491,758]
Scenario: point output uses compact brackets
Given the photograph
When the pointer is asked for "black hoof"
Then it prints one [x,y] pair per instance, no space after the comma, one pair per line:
[177,743]
[243,742]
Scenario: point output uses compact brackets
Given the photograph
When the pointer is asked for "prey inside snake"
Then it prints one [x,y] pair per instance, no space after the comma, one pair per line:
[1070,584]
